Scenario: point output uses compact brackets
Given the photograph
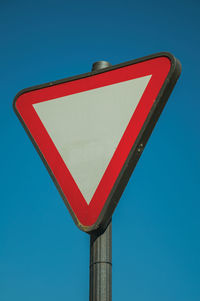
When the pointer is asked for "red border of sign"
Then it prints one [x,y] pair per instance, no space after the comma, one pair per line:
[87,216]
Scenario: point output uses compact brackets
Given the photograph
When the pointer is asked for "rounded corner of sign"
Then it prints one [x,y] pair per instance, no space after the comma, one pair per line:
[14,103]
[87,229]
[15,100]
[17,96]
[175,63]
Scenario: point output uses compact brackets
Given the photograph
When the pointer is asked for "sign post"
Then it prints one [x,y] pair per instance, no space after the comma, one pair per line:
[101,265]
[101,250]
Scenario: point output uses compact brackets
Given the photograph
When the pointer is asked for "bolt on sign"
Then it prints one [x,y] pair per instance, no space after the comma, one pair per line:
[91,129]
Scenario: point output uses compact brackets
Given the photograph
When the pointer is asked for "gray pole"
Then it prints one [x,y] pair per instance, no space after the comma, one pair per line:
[101,250]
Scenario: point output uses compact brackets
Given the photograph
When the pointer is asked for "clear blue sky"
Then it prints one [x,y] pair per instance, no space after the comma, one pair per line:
[156,226]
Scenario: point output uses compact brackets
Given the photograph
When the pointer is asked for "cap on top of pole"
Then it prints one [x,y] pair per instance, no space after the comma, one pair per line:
[100,65]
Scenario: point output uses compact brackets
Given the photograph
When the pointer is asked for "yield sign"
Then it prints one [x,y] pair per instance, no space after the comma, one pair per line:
[91,129]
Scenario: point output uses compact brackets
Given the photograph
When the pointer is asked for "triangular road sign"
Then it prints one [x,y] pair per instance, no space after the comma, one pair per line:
[91,129]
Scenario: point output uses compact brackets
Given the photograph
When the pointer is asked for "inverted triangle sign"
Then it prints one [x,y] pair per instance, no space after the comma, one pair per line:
[88,130]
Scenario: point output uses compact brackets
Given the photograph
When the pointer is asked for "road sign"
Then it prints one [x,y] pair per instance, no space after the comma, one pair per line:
[90,130]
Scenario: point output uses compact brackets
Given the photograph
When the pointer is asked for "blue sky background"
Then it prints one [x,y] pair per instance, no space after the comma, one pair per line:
[156,226]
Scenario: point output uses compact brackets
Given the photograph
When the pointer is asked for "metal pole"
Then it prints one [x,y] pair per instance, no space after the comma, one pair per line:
[101,250]
[101,266]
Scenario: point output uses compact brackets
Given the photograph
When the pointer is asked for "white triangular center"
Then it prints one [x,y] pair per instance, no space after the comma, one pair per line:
[87,127]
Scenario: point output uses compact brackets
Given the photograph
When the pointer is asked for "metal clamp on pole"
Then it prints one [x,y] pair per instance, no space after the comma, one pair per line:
[101,250]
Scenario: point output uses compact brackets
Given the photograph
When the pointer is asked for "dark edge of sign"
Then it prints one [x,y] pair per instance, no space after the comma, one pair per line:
[136,151]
